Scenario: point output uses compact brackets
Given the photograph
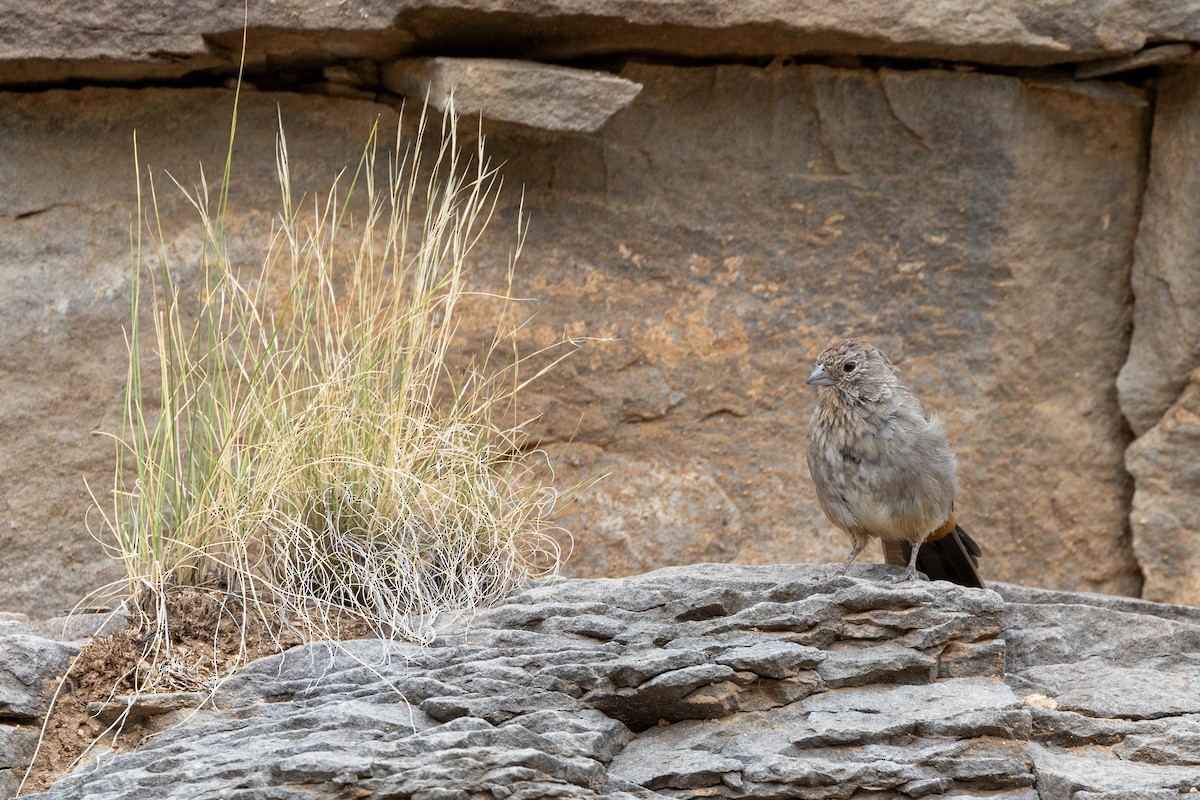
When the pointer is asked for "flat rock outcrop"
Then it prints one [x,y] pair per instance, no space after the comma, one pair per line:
[710,681]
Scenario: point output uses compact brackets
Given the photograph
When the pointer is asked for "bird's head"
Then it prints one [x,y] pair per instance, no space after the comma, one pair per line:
[855,370]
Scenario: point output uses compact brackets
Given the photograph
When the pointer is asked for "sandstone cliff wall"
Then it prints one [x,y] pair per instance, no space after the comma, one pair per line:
[1004,199]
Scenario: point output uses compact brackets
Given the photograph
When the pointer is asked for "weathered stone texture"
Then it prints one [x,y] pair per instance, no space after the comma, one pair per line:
[129,40]
[1166,280]
[714,234]
[1165,463]
[509,90]
[708,681]
[731,220]
[1111,686]
[25,662]
[65,218]
[702,679]
[1158,395]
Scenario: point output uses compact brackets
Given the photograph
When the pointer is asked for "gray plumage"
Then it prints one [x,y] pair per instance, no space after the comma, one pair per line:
[881,465]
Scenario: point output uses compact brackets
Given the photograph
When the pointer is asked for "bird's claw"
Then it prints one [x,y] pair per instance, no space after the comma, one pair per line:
[905,578]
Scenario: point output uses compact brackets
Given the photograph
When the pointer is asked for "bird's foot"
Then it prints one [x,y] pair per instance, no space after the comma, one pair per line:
[909,575]
[822,577]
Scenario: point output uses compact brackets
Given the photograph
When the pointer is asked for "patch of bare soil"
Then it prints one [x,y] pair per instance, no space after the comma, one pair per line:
[209,635]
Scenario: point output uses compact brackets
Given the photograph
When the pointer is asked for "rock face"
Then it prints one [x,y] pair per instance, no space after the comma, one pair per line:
[713,235]
[962,221]
[1111,688]
[1166,506]
[819,169]
[1166,283]
[711,681]
[1157,394]
[64,271]
[145,39]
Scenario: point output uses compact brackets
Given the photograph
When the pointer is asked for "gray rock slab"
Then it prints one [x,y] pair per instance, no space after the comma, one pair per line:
[853,716]
[510,702]
[841,738]
[1069,729]
[69,628]
[772,659]
[29,665]
[1097,689]
[204,34]
[710,681]
[1067,776]
[538,95]
[1129,794]
[17,743]
[139,708]
[1121,632]
[1016,594]
[1175,742]
[880,664]
[752,755]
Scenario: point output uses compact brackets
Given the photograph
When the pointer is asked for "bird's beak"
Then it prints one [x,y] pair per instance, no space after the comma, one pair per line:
[820,377]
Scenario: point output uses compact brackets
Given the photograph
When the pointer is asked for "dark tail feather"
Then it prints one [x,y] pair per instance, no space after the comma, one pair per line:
[953,558]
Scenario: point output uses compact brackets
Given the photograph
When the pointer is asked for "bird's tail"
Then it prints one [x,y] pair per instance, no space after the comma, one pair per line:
[954,558]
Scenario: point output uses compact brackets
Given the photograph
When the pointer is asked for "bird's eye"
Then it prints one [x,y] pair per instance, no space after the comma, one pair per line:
[849,367]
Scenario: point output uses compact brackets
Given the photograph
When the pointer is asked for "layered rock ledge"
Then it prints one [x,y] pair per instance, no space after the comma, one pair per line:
[155,40]
[711,681]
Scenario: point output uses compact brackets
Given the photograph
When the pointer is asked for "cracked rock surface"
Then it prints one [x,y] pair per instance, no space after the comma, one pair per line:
[710,681]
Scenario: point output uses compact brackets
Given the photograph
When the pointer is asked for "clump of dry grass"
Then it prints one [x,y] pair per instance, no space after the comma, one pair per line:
[312,450]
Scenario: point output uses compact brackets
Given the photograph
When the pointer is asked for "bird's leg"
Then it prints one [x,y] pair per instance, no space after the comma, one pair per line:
[910,574]
[854,551]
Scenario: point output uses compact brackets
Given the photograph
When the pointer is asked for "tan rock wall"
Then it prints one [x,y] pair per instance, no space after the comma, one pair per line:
[1158,381]
[731,220]
[717,230]
[976,213]
[67,166]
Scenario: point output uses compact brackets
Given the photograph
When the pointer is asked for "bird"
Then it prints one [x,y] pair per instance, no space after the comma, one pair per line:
[883,467]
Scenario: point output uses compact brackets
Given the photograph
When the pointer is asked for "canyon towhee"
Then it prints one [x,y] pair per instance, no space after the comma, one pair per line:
[883,467]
